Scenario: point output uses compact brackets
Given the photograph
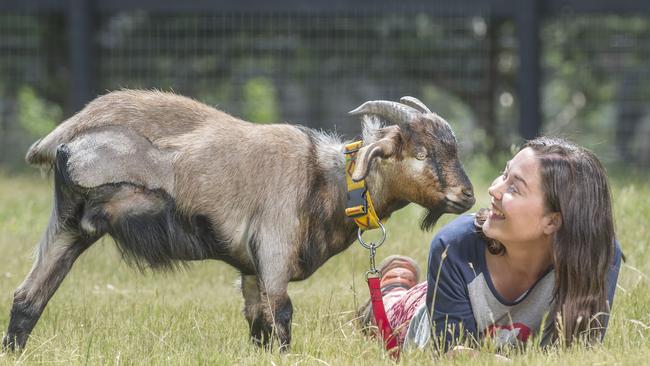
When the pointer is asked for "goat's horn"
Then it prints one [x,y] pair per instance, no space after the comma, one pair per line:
[394,112]
[415,103]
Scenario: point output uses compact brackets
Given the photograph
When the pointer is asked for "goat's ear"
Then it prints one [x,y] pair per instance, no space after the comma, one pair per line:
[385,147]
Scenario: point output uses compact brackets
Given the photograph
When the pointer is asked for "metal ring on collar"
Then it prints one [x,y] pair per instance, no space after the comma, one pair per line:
[371,245]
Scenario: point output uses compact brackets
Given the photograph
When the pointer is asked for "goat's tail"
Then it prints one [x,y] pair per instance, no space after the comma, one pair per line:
[43,151]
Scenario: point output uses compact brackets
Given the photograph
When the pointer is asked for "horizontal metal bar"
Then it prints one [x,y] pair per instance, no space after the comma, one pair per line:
[500,8]
[617,7]
[442,8]
[32,6]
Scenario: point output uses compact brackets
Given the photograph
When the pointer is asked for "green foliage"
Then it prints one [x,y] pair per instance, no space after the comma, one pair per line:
[586,60]
[36,115]
[259,101]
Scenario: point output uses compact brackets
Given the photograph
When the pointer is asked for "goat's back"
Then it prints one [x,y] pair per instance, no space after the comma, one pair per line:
[152,114]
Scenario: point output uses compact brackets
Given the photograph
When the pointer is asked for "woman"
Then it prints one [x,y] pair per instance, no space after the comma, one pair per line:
[541,261]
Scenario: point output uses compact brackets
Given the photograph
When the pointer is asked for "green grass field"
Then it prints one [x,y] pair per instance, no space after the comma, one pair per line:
[108,313]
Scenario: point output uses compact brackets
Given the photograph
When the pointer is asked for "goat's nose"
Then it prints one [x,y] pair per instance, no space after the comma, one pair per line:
[468,196]
[468,192]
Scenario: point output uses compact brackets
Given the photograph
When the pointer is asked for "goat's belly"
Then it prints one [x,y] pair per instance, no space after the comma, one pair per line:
[149,230]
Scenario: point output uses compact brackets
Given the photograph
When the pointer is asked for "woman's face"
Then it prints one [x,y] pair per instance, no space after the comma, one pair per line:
[518,213]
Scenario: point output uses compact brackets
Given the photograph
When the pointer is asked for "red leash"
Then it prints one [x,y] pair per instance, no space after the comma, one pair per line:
[390,339]
[373,276]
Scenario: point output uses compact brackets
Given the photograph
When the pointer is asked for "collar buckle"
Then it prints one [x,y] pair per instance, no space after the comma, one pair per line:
[357,204]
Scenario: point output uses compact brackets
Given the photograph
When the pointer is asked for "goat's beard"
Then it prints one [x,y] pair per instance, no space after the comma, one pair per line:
[430,218]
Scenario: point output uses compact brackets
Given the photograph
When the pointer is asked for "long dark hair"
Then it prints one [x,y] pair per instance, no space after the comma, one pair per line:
[575,185]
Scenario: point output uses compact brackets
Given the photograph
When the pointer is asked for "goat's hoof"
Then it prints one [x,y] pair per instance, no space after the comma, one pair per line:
[13,342]
[257,340]
[285,349]
[7,345]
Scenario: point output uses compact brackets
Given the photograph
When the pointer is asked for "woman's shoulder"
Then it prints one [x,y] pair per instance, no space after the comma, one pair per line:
[459,238]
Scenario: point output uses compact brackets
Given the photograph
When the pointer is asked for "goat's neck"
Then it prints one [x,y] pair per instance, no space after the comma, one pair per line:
[332,162]
[381,194]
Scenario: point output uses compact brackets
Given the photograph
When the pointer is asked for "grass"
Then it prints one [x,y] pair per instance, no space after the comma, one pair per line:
[108,313]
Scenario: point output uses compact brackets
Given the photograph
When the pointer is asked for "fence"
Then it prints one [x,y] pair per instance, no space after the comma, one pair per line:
[498,70]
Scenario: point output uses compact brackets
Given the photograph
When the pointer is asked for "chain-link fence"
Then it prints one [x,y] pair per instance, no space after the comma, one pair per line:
[312,67]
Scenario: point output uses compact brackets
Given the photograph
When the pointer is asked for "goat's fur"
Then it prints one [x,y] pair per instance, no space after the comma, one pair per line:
[171,179]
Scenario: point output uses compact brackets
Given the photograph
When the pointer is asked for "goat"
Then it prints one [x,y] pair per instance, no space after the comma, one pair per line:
[172,180]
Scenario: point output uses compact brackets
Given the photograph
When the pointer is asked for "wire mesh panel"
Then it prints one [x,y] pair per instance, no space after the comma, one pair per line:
[306,68]
[31,82]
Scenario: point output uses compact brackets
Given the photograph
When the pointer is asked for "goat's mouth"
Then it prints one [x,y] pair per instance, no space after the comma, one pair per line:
[432,215]
[459,206]
[459,200]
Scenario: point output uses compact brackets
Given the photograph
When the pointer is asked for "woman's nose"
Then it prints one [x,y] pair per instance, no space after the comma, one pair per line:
[495,189]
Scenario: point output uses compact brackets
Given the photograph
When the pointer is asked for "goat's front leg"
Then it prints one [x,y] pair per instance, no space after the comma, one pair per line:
[275,319]
[268,313]
[272,256]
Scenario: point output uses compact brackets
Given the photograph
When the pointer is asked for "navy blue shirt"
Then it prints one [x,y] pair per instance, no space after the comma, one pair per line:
[460,290]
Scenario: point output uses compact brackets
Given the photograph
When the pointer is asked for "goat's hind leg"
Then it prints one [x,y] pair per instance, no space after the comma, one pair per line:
[59,247]
[57,251]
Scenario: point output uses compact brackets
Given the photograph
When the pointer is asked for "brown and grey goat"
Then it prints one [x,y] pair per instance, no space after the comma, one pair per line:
[171,179]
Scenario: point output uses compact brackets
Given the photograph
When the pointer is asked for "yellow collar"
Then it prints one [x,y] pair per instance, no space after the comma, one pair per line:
[359,205]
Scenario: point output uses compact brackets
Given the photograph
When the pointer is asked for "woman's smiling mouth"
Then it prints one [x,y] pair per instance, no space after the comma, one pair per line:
[496,214]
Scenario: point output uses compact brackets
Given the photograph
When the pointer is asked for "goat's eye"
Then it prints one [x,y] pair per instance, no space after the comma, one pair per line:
[421,155]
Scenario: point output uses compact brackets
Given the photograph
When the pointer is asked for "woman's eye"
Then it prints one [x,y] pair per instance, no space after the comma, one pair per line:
[512,189]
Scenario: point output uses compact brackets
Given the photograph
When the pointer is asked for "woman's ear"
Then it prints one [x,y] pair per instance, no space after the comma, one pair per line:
[552,223]
[385,147]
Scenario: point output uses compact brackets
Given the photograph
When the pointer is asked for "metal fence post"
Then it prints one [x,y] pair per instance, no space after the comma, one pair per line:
[529,73]
[81,52]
